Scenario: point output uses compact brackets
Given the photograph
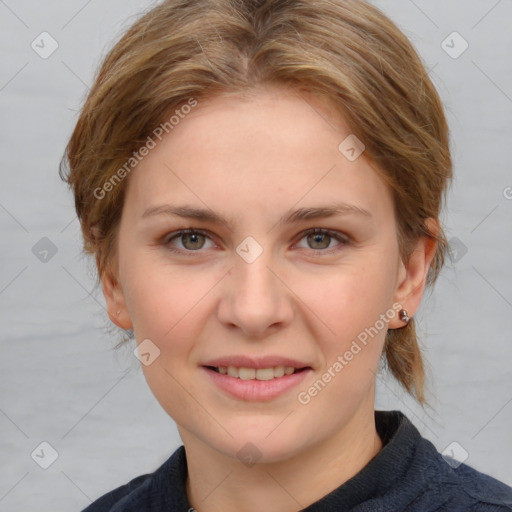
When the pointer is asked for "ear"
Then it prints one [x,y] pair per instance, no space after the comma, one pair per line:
[114,297]
[412,275]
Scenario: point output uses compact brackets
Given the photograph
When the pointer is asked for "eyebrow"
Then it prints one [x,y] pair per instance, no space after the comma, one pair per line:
[290,217]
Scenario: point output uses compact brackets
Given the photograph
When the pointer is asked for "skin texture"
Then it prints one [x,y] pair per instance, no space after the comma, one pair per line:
[252,159]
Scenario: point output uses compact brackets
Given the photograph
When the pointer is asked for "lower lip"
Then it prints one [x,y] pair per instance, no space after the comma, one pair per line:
[256,389]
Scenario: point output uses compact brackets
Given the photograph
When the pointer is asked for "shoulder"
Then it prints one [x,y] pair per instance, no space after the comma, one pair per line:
[490,494]
[150,492]
[425,479]
[460,486]
[126,494]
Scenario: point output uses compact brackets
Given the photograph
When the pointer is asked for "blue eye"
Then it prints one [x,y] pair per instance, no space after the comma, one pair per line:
[320,239]
[193,240]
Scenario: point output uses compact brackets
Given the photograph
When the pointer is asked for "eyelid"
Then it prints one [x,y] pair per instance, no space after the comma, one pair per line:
[342,238]
[183,231]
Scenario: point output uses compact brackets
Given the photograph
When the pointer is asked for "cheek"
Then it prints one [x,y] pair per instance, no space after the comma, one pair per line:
[161,298]
[169,306]
[350,331]
[350,297]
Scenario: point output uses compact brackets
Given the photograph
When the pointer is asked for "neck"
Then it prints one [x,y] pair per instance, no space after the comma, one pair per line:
[217,483]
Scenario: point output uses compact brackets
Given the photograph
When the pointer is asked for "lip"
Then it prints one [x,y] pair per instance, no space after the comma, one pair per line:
[255,390]
[255,362]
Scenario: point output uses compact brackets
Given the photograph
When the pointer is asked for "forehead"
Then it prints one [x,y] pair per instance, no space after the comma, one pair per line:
[266,150]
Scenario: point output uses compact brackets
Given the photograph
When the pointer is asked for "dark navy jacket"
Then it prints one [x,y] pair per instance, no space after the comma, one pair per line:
[408,474]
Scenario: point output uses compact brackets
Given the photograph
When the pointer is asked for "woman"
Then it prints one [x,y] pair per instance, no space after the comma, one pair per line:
[261,184]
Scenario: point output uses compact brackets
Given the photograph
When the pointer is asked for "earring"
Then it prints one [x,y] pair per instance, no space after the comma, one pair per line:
[404,316]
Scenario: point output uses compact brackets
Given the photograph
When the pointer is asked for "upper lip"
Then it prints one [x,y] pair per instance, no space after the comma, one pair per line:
[255,362]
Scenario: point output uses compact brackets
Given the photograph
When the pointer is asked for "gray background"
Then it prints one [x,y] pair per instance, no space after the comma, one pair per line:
[61,380]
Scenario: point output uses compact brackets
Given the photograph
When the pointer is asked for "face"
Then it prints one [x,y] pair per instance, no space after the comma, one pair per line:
[276,277]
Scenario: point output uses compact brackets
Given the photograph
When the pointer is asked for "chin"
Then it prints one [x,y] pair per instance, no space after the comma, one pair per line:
[256,445]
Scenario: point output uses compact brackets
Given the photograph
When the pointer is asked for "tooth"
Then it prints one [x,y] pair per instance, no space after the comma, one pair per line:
[259,374]
[246,373]
[278,371]
[265,373]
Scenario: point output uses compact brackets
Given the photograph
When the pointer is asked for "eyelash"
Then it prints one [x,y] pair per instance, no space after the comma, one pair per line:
[343,239]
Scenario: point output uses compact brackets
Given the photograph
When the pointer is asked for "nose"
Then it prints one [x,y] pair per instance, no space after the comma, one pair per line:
[255,298]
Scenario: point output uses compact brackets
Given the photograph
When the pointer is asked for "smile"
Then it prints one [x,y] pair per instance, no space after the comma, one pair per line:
[256,374]
[252,384]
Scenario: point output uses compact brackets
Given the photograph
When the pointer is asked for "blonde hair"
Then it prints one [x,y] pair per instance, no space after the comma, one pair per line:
[345,51]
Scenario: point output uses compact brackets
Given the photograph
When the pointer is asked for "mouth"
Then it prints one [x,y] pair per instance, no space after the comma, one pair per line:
[256,384]
[263,374]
